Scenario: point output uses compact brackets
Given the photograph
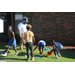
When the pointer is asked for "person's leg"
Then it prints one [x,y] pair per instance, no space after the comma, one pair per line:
[43,45]
[40,51]
[14,46]
[9,44]
[16,51]
[42,48]
[21,42]
[6,52]
[7,49]
[59,48]
[31,48]
[55,51]
[27,48]
[59,55]
[56,56]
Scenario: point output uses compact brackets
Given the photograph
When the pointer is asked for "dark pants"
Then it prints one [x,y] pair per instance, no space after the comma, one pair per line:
[29,45]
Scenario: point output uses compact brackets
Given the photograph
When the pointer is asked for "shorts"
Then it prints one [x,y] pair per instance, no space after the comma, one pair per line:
[59,47]
[41,44]
[11,41]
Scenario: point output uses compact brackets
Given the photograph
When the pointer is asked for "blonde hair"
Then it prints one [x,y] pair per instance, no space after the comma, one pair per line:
[29,26]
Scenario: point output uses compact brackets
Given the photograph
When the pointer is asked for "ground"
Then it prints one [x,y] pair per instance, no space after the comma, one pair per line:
[67,55]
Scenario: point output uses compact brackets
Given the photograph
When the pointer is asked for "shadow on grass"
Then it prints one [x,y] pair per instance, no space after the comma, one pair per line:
[3,58]
[68,53]
[22,54]
[3,47]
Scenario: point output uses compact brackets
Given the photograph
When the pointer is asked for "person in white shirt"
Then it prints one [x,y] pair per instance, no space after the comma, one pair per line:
[22,29]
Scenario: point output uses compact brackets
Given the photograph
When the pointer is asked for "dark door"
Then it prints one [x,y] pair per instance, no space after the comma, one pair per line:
[6,17]
[18,18]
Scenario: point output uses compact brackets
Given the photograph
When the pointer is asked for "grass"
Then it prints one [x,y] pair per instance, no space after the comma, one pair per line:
[67,56]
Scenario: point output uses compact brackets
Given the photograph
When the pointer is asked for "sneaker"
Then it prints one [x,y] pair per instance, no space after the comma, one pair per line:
[4,55]
[16,55]
[28,59]
[56,57]
[40,55]
[21,49]
[59,55]
[32,58]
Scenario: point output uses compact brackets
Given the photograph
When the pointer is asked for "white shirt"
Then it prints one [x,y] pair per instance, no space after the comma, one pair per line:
[22,26]
[42,41]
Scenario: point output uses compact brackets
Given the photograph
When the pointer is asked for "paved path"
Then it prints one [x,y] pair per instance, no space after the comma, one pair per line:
[2,61]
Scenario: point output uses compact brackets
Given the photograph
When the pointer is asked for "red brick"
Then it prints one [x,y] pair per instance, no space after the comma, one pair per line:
[56,25]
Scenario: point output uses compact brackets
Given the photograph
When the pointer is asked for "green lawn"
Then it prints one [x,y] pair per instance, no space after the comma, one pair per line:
[66,56]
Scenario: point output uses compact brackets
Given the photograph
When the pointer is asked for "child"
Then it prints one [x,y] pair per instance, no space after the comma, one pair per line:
[29,39]
[56,47]
[40,44]
[12,41]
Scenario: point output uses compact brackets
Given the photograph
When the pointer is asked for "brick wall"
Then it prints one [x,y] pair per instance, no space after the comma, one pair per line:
[54,25]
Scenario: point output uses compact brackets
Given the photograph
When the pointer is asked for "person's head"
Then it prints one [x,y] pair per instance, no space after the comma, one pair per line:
[25,20]
[9,28]
[52,41]
[28,27]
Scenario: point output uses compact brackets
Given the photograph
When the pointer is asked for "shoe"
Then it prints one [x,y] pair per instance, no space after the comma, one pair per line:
[28,59]
[16,55]
[4,55]
[21,49]
[56,57]
[40,55]
[32,58]
[59,55]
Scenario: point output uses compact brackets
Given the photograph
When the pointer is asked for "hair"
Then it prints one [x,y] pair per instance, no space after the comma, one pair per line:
[10,26]
[52,40]
[28,26]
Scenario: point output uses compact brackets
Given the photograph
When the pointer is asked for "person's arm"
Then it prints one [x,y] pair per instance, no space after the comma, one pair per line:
[53,46]
[35,47]
[33,39]
[19,32]
[13,38]
[24,36]
[8,34]
[19,29]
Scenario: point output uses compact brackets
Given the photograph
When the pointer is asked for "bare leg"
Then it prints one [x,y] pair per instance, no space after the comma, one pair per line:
[55,52]
[15,49]
[42,50]
[7,50]
[58,53]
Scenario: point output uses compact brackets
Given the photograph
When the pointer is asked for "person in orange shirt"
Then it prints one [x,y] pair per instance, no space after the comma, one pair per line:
[29,39]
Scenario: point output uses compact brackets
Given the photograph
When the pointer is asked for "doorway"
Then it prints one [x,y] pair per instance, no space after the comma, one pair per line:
[6,17]
[18,18]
